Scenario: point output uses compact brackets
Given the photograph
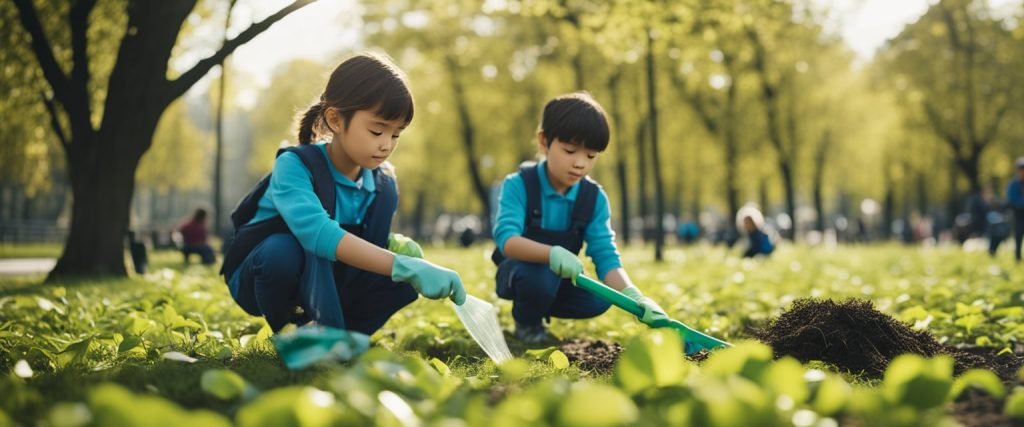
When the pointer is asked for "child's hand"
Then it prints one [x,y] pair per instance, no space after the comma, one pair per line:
[402,245]
[564,263]
[429,279]
[653,313]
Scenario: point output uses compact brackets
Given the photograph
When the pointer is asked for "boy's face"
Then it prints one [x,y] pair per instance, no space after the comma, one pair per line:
[1020,174]
[567,163]
[369,139]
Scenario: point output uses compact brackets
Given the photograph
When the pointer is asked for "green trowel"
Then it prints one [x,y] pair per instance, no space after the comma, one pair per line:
[694,339]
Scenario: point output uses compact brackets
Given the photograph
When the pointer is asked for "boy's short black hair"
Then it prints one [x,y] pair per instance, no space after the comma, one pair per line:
[575,118]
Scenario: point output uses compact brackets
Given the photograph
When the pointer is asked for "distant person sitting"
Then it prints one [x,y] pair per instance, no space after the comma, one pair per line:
[688,232]
[193,234]
[752,223]
[1015,200]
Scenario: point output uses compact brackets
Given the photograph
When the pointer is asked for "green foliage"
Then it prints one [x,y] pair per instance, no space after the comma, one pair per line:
[96,351]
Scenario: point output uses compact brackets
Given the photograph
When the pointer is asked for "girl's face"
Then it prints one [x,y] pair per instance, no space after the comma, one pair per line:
[567,163]
[369,139]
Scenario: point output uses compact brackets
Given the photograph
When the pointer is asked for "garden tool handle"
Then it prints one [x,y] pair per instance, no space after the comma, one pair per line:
[613,296]
[695,340]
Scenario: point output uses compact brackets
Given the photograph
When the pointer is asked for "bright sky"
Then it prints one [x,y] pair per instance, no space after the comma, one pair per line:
[866,24]
[321,30]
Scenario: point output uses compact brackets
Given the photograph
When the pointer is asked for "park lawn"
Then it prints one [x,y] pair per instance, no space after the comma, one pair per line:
[99,350]
[30,250]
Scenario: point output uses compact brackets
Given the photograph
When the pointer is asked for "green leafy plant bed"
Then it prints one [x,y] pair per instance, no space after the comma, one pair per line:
[172,348]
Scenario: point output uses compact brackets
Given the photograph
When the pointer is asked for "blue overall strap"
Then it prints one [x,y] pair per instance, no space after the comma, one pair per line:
[583,208]
[323,182]
[534,207]
[376,223]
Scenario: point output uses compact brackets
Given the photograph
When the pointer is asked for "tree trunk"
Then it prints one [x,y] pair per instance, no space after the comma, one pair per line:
[788,186]
[820,157]
[659,192]
[218,158]
[419,211]
[469,143]
[102,193]
[620,155]
[102,160]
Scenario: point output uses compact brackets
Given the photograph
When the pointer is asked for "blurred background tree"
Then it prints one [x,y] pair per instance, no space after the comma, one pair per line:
[714,104]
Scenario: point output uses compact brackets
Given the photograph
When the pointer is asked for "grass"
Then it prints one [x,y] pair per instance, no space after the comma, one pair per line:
[33,250]
[73,334]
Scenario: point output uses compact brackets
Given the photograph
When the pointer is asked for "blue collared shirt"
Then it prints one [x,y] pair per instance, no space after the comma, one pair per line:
[556,214]
[1015,194]
[291,196]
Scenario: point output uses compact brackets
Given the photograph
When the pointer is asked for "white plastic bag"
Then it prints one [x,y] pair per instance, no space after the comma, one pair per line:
[481,320]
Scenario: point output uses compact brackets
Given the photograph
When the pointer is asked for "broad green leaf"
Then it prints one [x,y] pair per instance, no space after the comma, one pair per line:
[558,360]
[66,414]
[919,382]
[440,366]
[1014,407]
[651,361]
[978,378]
[222,384]
[129,342]
[75,352]
[596,405]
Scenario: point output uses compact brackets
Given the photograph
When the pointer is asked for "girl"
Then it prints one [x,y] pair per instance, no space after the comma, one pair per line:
[321,252]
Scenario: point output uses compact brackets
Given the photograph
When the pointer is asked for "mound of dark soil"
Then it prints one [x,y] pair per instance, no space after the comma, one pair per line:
[592,355]
[854,336]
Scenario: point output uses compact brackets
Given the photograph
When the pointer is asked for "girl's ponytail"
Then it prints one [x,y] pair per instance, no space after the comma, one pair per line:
[309,122]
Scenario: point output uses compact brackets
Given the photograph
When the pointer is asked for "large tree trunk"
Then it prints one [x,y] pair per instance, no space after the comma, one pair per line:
[102,160]
[102,184]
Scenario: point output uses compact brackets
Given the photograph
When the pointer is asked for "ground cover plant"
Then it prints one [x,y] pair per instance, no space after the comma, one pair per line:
[171,347]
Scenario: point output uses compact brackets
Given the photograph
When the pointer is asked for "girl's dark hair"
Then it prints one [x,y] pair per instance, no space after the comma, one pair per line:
[576,118]
[363,82]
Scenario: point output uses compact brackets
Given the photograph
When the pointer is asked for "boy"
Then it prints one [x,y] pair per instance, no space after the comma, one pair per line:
[545,214]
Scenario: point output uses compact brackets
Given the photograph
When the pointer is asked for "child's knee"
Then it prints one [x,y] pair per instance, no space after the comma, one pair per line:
[280,256]
[598,307]
[536,281]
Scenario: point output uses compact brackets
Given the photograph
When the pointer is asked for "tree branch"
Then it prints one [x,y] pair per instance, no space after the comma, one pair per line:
[993,126]
[190,77]
[78,21]
[55,121]
[936,122]
[78,84]
[41,48]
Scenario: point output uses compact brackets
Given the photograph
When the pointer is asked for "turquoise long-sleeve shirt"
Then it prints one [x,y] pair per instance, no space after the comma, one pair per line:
[291,196]
[556,214]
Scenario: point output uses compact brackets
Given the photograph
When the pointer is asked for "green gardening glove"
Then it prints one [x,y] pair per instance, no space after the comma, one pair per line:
[654,315]
[564,263]
[402,245]
[429,279]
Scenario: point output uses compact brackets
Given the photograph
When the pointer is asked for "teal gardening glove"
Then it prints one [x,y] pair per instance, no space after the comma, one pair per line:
[565,264]
[653,313]
[402,245]
[429,279]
